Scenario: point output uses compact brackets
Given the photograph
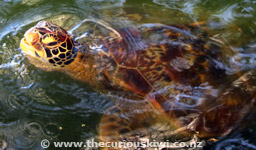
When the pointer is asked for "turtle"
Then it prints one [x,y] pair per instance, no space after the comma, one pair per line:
[165,73]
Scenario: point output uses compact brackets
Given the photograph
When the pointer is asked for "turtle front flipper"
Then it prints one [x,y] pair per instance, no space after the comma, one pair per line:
[123,124]
[113,124]
[137,122]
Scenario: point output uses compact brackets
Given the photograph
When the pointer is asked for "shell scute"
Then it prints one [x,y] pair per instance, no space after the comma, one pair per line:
[132,80]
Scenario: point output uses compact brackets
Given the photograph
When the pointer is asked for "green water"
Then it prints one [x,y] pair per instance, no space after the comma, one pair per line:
[36,105]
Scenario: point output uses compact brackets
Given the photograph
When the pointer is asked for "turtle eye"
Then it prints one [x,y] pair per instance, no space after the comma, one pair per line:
[51,43]
[49,40]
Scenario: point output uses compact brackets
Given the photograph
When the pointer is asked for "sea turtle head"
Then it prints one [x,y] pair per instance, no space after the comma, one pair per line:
[48,45]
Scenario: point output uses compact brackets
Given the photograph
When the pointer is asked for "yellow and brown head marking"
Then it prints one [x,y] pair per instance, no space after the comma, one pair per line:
[49,43]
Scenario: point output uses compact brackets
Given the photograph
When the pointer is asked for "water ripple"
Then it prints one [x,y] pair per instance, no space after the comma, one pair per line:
[35,104]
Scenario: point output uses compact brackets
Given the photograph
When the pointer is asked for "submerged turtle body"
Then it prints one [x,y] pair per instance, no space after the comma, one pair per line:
[167,68]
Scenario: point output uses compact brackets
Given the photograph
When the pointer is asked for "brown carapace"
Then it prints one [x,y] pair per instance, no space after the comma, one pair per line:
[169,70]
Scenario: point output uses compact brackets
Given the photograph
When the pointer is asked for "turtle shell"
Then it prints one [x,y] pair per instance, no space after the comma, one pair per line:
[140,64]
[172,69]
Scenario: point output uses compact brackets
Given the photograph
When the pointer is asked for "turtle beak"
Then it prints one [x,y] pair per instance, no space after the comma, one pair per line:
[25,43]
[26,47]
[29,43]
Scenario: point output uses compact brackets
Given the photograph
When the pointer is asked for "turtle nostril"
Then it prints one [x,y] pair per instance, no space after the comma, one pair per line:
[25,41]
